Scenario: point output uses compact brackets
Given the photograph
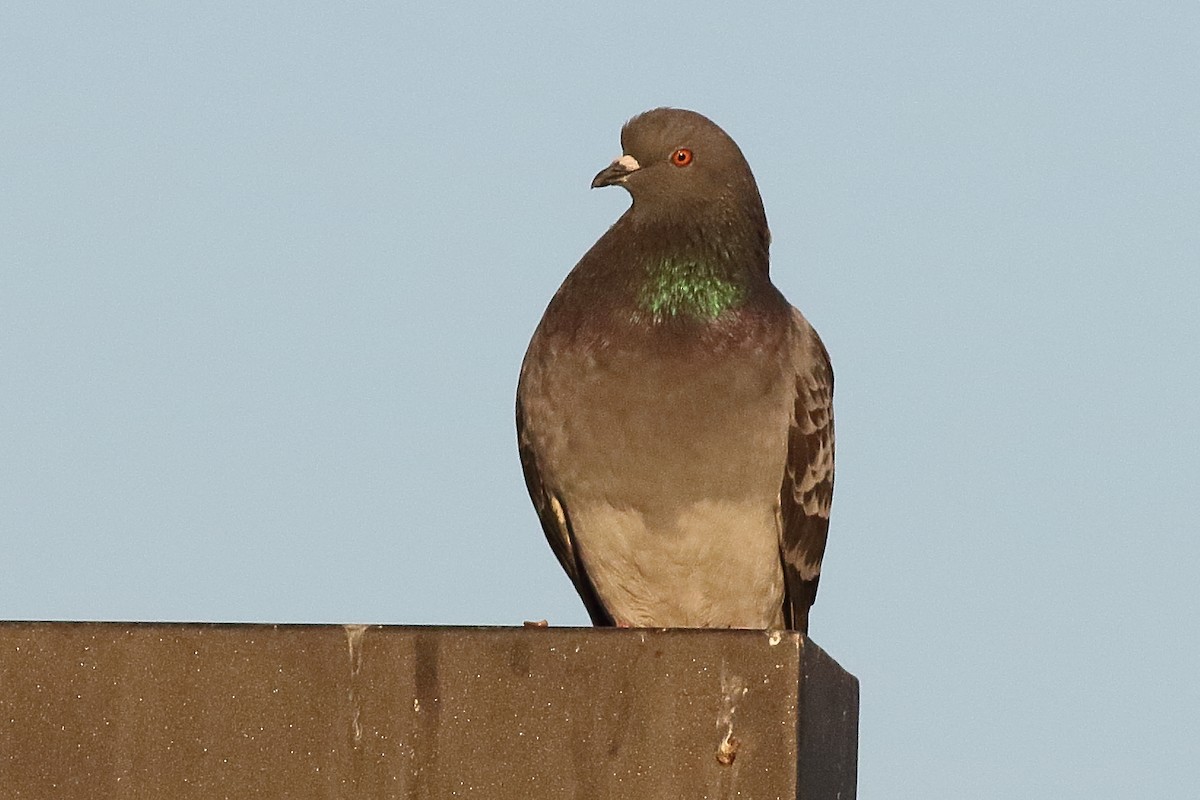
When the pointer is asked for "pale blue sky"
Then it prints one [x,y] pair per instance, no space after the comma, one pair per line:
[266,278]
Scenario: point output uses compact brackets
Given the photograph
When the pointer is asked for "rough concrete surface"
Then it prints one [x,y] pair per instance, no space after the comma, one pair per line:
[180,711]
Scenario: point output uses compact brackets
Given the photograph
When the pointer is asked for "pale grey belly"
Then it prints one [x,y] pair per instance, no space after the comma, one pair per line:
[715,565]
[672,485]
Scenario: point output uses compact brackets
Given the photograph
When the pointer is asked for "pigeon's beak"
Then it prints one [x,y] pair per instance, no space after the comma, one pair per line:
[616,172]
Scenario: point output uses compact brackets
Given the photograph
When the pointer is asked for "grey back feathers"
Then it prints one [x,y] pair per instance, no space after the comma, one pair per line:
[674,412]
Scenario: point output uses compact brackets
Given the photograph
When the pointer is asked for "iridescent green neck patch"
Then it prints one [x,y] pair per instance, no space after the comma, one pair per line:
[683,288]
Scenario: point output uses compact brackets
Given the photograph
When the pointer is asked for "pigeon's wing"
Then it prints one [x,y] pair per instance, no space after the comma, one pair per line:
[807,490]
[556,523]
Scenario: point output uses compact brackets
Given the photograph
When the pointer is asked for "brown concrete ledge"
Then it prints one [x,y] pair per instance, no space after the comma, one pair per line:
[122,710]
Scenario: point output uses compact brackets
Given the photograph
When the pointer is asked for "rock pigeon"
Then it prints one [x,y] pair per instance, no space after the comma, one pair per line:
[674,412]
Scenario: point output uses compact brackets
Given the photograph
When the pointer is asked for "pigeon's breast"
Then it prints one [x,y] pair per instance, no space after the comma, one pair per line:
[645,432]
[670,468]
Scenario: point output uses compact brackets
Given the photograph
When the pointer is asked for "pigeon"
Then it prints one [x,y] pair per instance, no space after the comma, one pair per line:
[674,411]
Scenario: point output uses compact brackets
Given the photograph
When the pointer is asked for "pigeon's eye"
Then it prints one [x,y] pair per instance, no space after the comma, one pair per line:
[681,157]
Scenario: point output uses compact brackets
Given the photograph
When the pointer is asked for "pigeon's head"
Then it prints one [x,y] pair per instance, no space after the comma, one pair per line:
[674,160]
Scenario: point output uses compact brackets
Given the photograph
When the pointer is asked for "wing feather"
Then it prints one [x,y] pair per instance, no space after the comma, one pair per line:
[807,491]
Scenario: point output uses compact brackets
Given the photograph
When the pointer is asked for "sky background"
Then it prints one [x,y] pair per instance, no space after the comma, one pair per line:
[267,276]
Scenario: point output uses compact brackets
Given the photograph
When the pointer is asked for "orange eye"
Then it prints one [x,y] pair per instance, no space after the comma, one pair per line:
[681,157]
